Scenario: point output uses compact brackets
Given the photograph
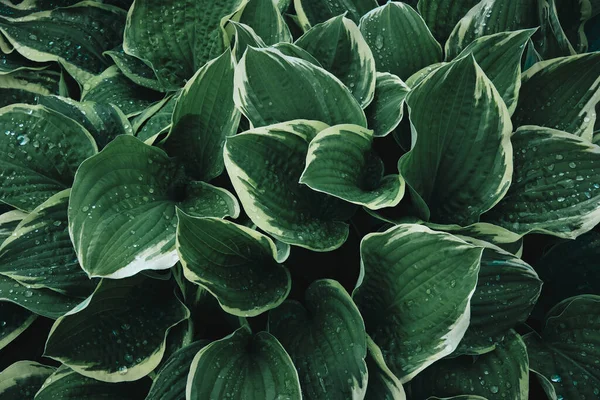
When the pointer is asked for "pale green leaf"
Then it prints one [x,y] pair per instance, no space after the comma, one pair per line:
[9,221]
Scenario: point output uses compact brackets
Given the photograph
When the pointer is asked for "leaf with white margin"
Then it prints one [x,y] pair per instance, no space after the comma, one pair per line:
[204,116]
[461,163]
[441,16]
[39,253]
[155,120]
[171,379]
[236,264]
[505,75]
[501,374]
[271,87]
[245,37]
[311,12]
[383,384]
[340,48]
[26,86]
[22,379]
[341,162]
[32,165]
[135,69]
[243,366]
[265,165]
[14,61]
[564,356]
[68,384]
[122,209]
[74,36]
[8,222]
[291,50]
[561,93]
[13,321]
[387,108]
[178,37]
[394,32]
[414,292]
[488,17]
[119,333]
[556,185]
[325,338]
[266,20]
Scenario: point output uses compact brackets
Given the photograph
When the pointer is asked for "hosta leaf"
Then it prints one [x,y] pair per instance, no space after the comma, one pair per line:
[68,384]
[507,290]
[8,222]
[383,384]
[505,75]
[387,108]
[531,56]
[203,117]
[112,87]
[265,165]
[33,167]
[561,93]
[555,186]
[394,32]
[13,321]
[243,366]
[26,86]
[501,374]
[555,43]
[564,356]
[573,16]
[22,379]
[236,264]
[461,164]
[118,333]
[290,49]
[245,36]
[341,162]
[171,379]
[266,20]
[311,12]
[488,17]
[135,69]
[122,208]
[341,49]
[442,15]
[158,121]
[178,37]
[271,87]
[414,292]
[14,61]
[326,340]
[75,36]
[40,254]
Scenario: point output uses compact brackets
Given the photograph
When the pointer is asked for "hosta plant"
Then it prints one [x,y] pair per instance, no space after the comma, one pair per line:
[308,199]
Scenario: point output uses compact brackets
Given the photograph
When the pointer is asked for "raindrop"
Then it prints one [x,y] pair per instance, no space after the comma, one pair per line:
[122,370]
[22,140]
[559,157]
[494,389]
[556,378]
[572,165]
[28,293]
[379,42]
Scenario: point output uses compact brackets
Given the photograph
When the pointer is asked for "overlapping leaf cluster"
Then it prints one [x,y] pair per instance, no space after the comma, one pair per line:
[253,199]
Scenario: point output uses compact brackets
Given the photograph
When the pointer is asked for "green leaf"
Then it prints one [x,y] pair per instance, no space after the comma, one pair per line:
[156,120]
[489,17]
[204,116]
[507,289]
[8,222]
[244,366]
[135,69]
[68,384]
[266,20]
[555,187]
[442,15]
[22,379]
[341,49]
[290,49]
[340,162]
[155,32]
[531,56]
[501,374]
[171,380]
[393,32]
[326,340]
[26,86]
[122,208]
[117,334]
[39,253]
[74,36]
[383,384]
[112,87]
[236,264]
[564,356]
[245,36]
[461,164]
[14,320]
[271,87]
[387,108]
[414,292]
[311,12]
[505,75]
[14,61]
[33,166]
[561,93]
[264,166]
[555,42]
